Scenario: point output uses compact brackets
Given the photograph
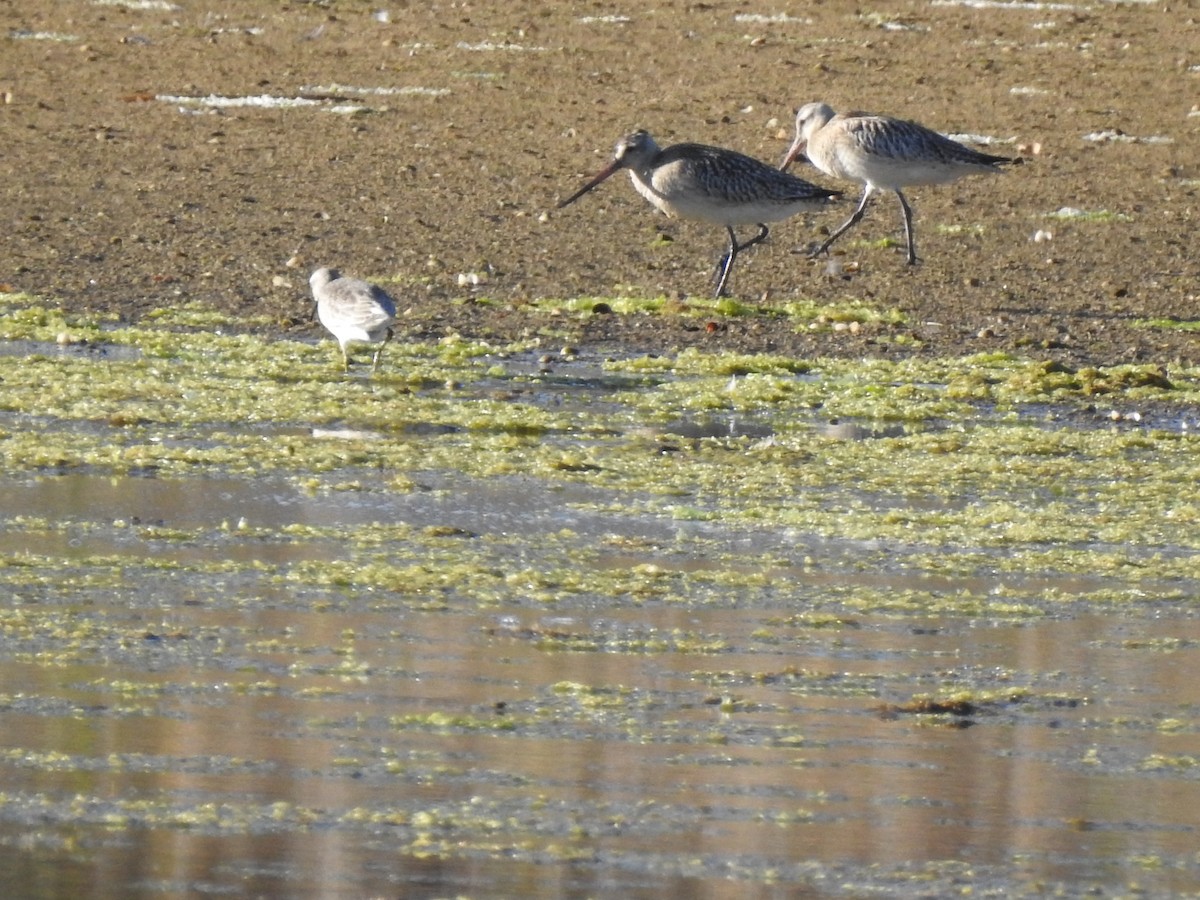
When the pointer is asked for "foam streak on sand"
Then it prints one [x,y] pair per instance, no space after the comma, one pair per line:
[147,5]
[22,34]
[775,19]
[490,46]
[406,91]
[1006,4]
[1110,136]
[262,101]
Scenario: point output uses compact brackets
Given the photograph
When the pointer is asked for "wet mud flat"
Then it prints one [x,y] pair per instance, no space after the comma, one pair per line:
[497,621]
[164,153]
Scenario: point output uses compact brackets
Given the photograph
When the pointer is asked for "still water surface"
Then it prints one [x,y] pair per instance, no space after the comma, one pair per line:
[226,733]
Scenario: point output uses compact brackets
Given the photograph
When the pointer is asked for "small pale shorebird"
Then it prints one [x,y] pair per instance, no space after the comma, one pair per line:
[354,311]
[883,154]
[711,184]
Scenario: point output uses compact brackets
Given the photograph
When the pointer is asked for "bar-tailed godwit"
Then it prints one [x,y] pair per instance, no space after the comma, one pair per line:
[354,311]
[883,154]
[711,184]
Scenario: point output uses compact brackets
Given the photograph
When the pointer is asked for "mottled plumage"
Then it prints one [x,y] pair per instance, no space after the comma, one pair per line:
[711,184]
[883,154]
[354,311]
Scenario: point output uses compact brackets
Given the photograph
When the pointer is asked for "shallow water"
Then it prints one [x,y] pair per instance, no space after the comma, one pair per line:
[628,631]
[495,621]
[519,685]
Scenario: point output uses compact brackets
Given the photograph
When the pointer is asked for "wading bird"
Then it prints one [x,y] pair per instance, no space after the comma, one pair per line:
[883,154]
[354,311]
[711,184]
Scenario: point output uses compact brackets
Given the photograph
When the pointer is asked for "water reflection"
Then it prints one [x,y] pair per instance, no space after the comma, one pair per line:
[197,701]
[232,746]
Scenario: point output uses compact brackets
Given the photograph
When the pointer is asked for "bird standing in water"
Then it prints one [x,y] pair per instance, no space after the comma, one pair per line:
[354,311]
[711,184]
[883,154]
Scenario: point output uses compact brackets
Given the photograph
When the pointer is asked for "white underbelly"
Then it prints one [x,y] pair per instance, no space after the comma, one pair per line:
[677,197]
[890,173]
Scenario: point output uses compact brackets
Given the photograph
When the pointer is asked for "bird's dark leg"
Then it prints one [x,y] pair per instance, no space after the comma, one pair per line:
[846,226]
[726,262]
[908,230]
[763,231]
[383,343]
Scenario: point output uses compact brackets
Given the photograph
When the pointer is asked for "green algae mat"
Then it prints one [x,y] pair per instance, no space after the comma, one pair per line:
[502,616]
